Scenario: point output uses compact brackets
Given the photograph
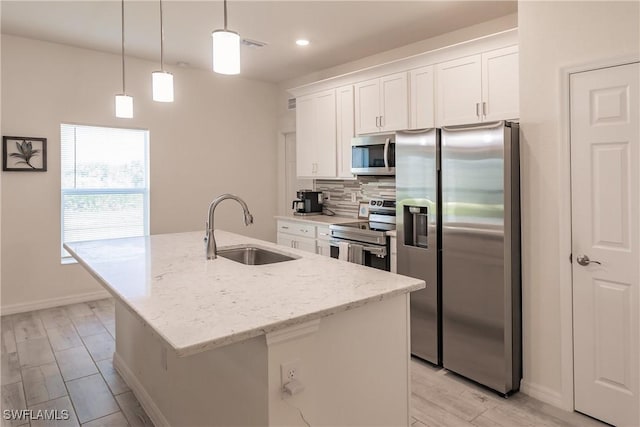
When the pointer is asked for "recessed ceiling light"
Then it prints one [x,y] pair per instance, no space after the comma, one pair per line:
[302,42]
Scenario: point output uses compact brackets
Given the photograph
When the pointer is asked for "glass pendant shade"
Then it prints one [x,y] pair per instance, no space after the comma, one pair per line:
[124,106]
[162,86]
[226,52]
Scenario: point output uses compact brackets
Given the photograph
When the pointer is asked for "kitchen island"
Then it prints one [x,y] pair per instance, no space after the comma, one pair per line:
[204,342]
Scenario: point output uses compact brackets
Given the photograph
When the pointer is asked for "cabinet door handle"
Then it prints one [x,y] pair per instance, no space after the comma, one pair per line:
[377,118]
[478,109]
[484,109]
[381,121]
[284,227]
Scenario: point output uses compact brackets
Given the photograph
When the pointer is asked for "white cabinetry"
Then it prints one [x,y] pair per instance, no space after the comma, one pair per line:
[478,88]
[500,84]
[422,98]
[381,105]
[393,249]
[316,135]
[459,91]
[345,129]
[297,235]
[323,234]
[304,236]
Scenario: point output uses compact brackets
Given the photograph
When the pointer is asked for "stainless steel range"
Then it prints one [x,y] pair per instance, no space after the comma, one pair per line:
[366,242]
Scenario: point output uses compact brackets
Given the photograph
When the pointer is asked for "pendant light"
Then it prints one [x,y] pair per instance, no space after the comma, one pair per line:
[162,81]
[124,102]
[226,49]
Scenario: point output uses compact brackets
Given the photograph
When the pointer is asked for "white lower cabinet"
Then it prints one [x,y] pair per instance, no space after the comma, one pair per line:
[393,249]
[304,236]
[323,234]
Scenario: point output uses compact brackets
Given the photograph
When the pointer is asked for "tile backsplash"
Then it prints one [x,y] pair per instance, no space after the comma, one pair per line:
[364,187]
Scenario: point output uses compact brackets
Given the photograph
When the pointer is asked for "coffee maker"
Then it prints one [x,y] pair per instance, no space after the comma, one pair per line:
[307,203]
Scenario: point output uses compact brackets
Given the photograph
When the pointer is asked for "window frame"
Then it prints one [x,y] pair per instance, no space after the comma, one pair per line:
[145,191]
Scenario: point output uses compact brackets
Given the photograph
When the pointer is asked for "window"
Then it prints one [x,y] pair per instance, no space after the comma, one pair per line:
[105,183]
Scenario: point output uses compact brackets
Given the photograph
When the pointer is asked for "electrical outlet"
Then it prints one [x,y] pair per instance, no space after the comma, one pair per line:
[290,371]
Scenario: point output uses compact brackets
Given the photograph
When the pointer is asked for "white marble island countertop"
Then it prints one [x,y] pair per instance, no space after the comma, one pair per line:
[197,305]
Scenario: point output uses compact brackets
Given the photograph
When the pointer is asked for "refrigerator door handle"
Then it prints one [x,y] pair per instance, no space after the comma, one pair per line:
[386,152]
[459,128]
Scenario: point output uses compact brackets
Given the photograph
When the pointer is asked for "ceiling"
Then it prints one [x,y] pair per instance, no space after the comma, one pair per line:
[339,31]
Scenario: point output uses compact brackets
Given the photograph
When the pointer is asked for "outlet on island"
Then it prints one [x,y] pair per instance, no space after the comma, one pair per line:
[290,378]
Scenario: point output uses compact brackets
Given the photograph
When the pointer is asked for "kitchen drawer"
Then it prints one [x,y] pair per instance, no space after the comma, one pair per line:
[323,232]
[297,229]
[307,245]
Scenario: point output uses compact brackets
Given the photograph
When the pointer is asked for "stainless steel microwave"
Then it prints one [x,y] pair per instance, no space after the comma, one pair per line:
[373,155]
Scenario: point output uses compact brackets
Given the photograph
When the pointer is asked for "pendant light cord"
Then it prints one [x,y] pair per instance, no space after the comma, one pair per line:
[122,17]
[161,40]
[225,15]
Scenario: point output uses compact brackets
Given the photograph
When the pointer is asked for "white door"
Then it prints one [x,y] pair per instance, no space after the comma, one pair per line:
[422,99]
[605,186]
[394,96]
[500,84]
[367,106]
[459,91]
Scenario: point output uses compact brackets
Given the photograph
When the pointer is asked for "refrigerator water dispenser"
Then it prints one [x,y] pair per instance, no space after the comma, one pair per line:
[416,220]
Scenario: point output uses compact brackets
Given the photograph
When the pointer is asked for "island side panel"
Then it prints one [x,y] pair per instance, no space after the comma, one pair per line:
[221,387]
[354,367]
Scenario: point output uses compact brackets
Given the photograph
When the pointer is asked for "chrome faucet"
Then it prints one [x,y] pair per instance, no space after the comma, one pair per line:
[210,239]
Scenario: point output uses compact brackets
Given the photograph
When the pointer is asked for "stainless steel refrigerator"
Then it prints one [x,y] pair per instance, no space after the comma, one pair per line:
[458,228]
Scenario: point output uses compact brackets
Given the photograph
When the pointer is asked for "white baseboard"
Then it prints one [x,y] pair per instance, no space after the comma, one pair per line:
[544,394]
[53,302]
[141,394]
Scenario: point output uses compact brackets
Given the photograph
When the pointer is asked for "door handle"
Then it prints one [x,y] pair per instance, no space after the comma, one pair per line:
[584,260]
[484,109]
[381,121]
[386,152]
[478,109]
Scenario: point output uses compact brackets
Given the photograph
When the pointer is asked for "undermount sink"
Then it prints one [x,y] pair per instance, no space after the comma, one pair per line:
[251,255]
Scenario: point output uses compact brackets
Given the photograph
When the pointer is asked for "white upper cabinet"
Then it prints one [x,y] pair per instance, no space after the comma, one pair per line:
[422,98]
[367,106]
[459,91]
[316,135]
[382,104]
[345,127]
[394,102]
[500,84]
[326,135]
[305,150]
[478,88]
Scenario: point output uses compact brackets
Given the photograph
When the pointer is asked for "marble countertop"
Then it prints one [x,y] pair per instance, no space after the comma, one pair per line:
[197,305]
[319,219]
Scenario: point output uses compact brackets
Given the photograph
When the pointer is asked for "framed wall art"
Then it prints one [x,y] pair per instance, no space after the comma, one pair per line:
[24,154]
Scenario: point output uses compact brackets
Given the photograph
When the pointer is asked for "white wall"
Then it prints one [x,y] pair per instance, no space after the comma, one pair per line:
[555,35]
[218,136]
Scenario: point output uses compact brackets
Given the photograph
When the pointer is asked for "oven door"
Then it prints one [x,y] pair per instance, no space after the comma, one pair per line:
[376,256]
[373,155]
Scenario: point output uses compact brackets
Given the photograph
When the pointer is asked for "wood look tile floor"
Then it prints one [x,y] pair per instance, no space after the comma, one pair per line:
[61,358]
